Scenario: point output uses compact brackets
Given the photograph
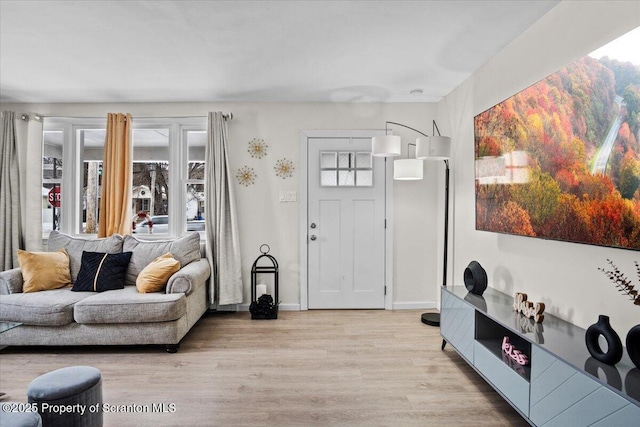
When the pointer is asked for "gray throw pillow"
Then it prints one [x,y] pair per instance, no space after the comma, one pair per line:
[75,246]
[185,249]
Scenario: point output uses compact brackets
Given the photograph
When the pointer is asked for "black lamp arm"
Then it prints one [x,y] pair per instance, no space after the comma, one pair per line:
[435,128]
[404,126]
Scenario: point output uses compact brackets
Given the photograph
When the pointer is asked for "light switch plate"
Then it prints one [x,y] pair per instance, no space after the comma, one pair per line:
[287,196]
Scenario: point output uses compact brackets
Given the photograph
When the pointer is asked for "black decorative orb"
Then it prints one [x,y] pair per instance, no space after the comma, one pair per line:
[475,278]
[614,345]
[633,345]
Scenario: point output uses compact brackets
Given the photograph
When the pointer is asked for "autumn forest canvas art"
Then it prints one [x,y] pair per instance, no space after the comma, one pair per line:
[561,159]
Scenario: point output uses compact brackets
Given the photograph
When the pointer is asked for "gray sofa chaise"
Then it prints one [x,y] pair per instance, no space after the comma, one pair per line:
[114,317]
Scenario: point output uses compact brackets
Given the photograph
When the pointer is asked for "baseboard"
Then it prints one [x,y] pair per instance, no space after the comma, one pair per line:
[409,305]
[415,305]
[281,307]
[229,307]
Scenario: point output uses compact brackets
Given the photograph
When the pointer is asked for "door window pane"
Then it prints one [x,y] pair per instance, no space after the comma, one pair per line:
[328,178]
[363,160]
[328,160]
[345,160]
[346,178]
[364,178]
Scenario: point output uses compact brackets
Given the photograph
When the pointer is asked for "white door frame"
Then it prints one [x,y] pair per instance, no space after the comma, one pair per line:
[304,208]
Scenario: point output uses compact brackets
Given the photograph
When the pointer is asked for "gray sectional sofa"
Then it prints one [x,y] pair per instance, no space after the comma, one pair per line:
[114,317]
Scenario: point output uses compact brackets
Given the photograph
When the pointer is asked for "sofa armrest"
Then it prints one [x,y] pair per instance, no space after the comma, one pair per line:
[11,281]
[189,277]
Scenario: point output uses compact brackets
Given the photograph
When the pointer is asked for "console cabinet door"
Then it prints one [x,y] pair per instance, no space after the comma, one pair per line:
[502,377]
[457,324]
[563,396]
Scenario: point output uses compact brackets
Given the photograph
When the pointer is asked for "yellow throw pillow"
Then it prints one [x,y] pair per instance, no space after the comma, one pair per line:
[154,276]
[43,271]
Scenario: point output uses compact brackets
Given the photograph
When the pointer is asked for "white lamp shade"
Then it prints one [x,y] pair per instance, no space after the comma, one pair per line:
[386,146]
[433,148]
[407,169]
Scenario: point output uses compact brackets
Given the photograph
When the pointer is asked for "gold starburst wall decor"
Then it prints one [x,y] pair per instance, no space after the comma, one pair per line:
[284,168]
[246,176]
[257,148]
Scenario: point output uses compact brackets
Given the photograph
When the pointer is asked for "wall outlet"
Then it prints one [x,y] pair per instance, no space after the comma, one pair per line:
[287,196]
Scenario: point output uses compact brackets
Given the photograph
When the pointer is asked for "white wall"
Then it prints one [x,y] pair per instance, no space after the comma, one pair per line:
[562,275]
[263,219]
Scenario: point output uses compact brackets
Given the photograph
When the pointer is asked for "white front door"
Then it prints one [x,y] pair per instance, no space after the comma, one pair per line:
[345,224]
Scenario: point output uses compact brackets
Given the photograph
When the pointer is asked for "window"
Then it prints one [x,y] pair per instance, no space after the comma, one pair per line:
[91,145]
[151,180]
[167,154]
[51,180]
[346,169]
[195,194]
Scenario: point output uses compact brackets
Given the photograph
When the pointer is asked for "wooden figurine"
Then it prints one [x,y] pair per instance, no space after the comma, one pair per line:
[527,308]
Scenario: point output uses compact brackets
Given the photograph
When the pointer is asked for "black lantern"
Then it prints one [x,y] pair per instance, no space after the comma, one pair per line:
[265,306]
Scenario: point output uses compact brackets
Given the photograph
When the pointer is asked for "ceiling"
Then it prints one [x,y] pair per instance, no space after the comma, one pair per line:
[205,51]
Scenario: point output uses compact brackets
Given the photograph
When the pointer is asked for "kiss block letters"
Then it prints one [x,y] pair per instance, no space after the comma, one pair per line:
[516,355]
[527,308]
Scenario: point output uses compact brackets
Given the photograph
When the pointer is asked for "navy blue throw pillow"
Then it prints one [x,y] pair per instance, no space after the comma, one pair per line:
[100,271]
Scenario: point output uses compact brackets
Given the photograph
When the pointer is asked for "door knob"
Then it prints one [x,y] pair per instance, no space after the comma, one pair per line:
[313,237]
[313,225]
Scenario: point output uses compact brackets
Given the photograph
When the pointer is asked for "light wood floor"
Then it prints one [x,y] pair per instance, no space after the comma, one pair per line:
[322,368]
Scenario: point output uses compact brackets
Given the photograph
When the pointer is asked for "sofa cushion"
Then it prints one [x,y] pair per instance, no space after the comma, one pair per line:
[102,271]
[75,246]
[128,306]
[153,278]
[43,271]
[185,249]
[45,308]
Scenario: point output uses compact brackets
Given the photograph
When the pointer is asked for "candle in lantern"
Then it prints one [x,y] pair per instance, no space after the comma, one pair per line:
[261,289]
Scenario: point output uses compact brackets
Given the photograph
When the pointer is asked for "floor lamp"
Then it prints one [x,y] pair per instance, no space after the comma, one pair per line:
[427,148]
[438,148]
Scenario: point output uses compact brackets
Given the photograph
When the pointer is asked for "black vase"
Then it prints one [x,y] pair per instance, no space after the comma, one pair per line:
[475,278]
[614,345]
[633,345]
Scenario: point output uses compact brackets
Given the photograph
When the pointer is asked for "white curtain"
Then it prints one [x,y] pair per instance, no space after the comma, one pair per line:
[30,152]
[223,241]
[11,238]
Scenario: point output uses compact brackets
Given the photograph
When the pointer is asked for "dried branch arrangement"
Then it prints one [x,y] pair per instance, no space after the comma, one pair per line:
[622,282]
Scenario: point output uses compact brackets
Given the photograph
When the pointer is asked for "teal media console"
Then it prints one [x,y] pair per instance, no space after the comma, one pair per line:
[562,385]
